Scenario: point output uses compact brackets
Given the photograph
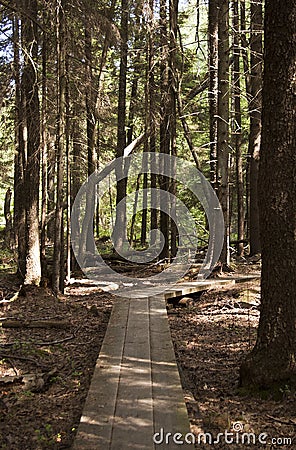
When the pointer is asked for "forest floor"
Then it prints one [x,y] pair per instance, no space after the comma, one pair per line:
[211,337]
[45,371]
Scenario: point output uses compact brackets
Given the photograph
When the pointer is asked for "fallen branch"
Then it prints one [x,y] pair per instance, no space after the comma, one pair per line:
[40,344]
[21,358]
[284,422]
[20,323]
[239,312]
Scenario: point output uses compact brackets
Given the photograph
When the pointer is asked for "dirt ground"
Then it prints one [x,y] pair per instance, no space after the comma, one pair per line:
[42,410]
[45,371]
[211,336]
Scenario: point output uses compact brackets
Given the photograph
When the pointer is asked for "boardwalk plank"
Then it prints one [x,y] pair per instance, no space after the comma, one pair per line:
[95,428]
[133,423]
[170,414]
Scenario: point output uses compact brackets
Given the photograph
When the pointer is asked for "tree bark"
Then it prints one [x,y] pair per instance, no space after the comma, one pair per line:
[246,66]
[32,175]
[237,130]
[213,87]
[51,172]
[223,123]
[152,113]
[8,219]
[120,234]
[19,215]
[135,209]
[173,13]
[164,137]
[272,361]
[90,105]
[90,125]
[61,131]
[44,149]
[255,120]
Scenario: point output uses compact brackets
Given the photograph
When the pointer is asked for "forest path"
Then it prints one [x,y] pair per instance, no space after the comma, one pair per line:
[135,393]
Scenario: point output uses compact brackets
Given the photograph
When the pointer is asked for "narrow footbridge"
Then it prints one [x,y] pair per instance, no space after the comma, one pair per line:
[135,400]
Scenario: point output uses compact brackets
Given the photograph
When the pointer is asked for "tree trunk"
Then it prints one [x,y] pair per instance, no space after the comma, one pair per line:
[135,209]
[152,113]
[213,87]
[32,175]
[8,219]
[272,361]
[44,149]
[173,6]
[246,66]
[223,123]
[237,128]
[145,197]
[19,218]
[51,172]
[90,126]
[61,131]
[68,184]
[75,173]
[255,121]
[164,137]
[119,233]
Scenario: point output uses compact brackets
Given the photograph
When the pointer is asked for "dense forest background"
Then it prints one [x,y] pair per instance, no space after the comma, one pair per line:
[80,81]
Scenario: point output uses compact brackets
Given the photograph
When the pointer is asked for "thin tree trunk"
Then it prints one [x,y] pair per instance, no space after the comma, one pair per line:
[119,236]
[152,112]
[134,90]
[255,121]
[181,113]
[135,208]
[44,150]
[164,137]
[145,198]
[144,221]
[173,88]
[237,127]
[213,87]
[75,172]
[19,218]
[90,126]
[76,175]
[8,219]
[68,182]
[51,171]
[223,123]
[61,125]
[90,106]
[246,66]
[244,44]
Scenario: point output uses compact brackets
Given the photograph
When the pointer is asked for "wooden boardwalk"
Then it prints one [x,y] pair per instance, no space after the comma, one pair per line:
[135,391]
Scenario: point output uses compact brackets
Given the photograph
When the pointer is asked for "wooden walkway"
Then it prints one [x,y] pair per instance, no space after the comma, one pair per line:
[135,391]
